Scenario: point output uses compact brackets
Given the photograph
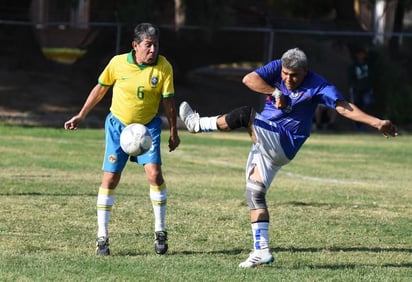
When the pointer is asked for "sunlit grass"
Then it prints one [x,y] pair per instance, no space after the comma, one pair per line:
[341,211]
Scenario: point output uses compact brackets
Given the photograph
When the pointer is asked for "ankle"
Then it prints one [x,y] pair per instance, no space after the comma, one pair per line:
[208,123]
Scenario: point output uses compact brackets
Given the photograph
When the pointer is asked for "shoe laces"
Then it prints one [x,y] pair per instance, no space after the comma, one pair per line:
[192,116]
[161,236]
[102,241]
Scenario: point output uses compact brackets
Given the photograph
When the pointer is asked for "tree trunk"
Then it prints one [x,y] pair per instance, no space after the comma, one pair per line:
[395,41]
[180,13]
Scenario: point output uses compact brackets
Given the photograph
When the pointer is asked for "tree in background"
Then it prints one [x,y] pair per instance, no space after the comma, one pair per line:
[212,15]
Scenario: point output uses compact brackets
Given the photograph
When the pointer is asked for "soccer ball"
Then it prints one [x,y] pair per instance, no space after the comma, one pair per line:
[135,139]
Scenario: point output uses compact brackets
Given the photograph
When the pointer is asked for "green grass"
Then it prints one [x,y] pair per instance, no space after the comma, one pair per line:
[341,211]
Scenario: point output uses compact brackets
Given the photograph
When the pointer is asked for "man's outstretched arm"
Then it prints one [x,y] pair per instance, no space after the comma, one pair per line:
[352,112]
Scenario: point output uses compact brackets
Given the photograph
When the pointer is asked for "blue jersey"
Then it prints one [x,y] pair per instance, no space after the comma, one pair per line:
[295,122]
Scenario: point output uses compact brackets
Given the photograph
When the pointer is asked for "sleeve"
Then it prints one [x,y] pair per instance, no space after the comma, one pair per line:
[329,94]
[270,72]
[107,78]
[168,84]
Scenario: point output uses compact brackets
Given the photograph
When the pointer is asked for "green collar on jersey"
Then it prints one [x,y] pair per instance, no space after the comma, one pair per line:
[130,59]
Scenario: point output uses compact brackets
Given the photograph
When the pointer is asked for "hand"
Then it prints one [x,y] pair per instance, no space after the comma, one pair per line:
[281,102]
[280,99]
[174,142]
[73,123]
[387,128]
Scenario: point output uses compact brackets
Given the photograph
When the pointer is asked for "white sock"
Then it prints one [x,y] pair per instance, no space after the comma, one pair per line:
[208,123]
[105,200]
[260,232]
[158,196]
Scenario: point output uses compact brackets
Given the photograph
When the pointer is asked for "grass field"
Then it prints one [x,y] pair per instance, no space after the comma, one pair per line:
[341,211]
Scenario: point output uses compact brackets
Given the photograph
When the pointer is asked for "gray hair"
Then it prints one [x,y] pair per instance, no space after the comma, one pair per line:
[294,59]
[146,30]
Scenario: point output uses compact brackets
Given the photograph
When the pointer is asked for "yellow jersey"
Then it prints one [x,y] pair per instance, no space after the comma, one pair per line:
[137,89]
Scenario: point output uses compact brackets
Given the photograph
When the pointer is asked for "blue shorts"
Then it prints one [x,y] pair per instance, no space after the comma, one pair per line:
[115,159]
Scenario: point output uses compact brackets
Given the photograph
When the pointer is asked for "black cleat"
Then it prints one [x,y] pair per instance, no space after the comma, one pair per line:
[102,246]
[161,242]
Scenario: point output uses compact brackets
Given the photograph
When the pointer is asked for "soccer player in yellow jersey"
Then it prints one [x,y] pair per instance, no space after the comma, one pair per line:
[140,79]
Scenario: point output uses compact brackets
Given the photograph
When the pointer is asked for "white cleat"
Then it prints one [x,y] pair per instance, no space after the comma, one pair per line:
[257,258]
[189,117]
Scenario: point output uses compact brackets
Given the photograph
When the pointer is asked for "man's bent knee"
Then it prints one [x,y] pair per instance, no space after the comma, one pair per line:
[240,117]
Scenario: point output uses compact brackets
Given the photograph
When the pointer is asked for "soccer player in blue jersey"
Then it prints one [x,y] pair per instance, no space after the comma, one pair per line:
[278,132]
[141,80]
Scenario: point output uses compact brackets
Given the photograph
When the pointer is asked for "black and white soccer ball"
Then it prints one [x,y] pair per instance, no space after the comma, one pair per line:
[135,139]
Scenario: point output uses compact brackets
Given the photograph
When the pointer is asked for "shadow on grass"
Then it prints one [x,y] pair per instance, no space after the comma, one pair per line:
[277,250]
[225,252]
[236,252]
[346,266]
[337,249]
[353,266]
[41,194]
[49,194]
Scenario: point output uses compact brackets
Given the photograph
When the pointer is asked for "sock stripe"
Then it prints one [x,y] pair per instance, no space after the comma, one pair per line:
[260,232]
[106,192]
[104,208]
[159,203]
[158,188]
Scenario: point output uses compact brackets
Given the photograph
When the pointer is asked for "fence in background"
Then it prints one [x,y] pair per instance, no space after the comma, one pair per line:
[270,34]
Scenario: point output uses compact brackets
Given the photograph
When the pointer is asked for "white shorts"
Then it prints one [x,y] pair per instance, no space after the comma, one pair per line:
[267,154]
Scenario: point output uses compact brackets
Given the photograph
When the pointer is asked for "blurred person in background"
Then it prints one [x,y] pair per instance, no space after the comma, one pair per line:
[360,77]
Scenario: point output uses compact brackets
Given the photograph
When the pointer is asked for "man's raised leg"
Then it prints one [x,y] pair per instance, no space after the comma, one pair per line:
[237,118]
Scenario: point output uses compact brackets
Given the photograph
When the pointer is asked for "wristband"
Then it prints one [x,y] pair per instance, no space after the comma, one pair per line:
[276,93]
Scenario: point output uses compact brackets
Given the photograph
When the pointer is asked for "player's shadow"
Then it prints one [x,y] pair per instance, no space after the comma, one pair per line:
[279,250]
[349,266]
[35,194]
[316,250]
[338,249]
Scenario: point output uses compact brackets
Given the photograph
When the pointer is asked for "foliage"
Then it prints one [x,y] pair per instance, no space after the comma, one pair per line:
[131,11]
[309,9]
[211,13]
[394,87]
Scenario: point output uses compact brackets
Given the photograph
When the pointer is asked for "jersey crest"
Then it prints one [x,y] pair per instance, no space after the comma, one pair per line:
[154,81]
